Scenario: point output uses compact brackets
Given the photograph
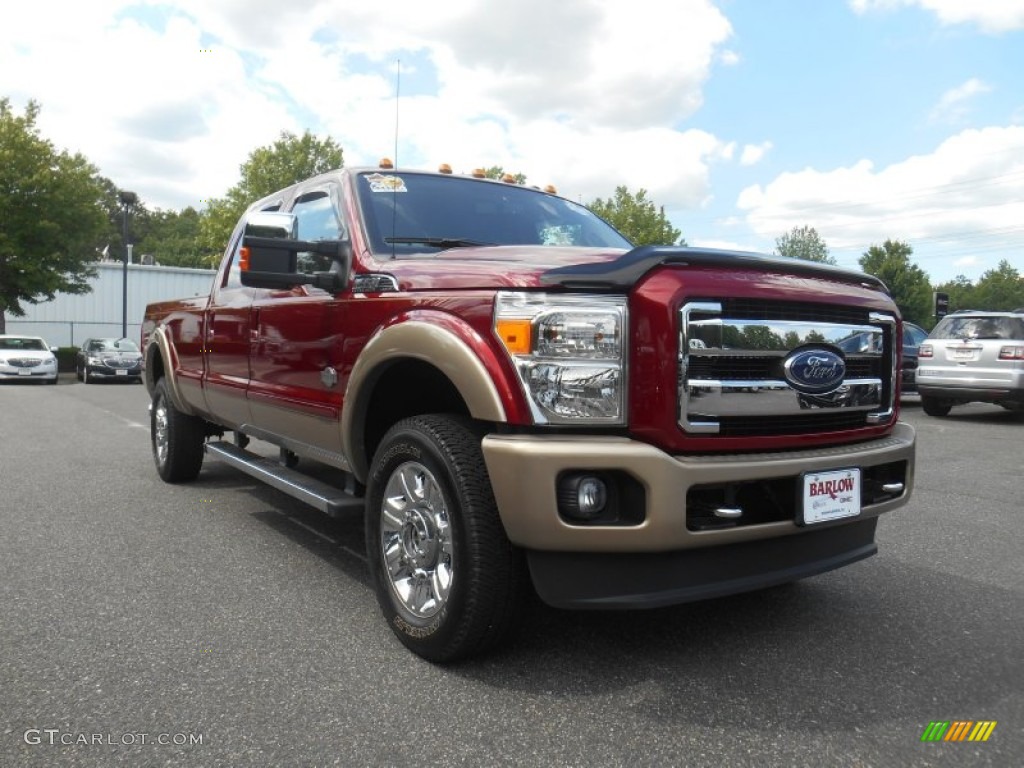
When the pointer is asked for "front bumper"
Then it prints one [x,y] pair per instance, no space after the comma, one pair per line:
[10,373]
[105,372]
[583,580]
[524,470]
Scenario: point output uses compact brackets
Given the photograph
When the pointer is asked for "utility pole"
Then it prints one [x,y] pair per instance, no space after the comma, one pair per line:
[128,199]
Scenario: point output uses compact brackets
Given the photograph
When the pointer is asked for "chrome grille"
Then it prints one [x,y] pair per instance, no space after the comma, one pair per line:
[24,362]
[731,367]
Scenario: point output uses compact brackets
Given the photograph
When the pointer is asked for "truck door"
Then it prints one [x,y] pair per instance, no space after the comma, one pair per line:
[296,388]
[226,349]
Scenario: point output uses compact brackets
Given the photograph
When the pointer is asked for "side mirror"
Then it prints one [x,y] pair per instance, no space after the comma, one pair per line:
[269,255]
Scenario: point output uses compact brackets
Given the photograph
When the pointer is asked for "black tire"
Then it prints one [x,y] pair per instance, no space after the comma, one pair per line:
[85,375]
[464,580]
[935,407]
[176,438]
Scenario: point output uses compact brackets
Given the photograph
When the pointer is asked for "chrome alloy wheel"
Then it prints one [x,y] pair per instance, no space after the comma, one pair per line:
[160,434]
[416,540]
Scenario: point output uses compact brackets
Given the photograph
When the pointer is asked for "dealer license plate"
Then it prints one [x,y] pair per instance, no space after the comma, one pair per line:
[831,495]
[122,372]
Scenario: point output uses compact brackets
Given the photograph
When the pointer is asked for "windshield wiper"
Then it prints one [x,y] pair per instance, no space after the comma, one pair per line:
[436,242]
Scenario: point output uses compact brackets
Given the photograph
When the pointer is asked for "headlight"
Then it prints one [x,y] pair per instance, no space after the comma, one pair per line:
[93,360]
[569,352]
[50,363]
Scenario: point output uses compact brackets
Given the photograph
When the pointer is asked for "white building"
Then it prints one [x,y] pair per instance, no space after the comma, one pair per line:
[70,319]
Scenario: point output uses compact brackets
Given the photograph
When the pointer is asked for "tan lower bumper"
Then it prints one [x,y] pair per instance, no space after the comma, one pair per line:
[524,469]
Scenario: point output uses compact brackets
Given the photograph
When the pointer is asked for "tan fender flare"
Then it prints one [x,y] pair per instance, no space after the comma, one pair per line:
[159,339]
[435,343]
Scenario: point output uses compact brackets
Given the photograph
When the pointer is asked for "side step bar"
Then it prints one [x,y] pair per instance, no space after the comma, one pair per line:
[324,497]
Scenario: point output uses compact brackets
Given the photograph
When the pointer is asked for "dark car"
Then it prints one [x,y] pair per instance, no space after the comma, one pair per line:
[869,343]
[913,335]
[108,359]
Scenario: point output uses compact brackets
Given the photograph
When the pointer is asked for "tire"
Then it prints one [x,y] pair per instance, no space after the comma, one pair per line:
[449,582]
[176,438]
[935,407]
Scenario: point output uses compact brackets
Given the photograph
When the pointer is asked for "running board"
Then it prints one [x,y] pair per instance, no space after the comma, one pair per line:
[324,497]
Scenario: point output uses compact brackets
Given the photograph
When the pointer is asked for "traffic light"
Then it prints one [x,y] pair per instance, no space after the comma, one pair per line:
[941,304]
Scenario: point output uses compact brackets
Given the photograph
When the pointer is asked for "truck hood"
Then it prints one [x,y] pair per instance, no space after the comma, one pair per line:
[588,269]
[505,266]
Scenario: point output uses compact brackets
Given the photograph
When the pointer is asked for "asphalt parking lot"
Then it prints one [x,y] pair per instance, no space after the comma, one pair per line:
[222,623]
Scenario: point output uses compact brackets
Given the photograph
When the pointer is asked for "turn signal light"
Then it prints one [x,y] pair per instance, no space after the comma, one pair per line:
[243,258]
[515,335]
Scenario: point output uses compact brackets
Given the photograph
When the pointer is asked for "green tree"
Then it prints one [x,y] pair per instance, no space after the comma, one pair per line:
[803,243]
[172,238]
[637,218]
[908,283]
[498,172]
[1001,288]
[50,220]
[113,211]
[287,161]
[960,291]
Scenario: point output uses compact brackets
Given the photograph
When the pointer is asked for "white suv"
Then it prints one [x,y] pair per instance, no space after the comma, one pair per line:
[973,357]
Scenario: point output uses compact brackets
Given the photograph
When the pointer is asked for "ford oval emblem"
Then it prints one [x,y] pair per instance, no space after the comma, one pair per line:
[814,370]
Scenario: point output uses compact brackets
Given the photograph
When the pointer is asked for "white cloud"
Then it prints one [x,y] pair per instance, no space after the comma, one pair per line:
[968,193]
[953,106]
[582,93]
[753,153]
[992,16]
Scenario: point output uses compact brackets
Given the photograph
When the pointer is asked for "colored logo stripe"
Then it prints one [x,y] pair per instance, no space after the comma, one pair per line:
[982,730]
[958,730]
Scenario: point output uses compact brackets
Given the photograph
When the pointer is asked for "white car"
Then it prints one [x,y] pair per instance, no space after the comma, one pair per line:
[27,358]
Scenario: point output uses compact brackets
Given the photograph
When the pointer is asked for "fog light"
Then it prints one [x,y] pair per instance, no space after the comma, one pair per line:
[591,496]
[582,497]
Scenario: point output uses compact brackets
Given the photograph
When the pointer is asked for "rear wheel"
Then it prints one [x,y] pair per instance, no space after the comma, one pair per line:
[447,578]
[935,407]
[177,438]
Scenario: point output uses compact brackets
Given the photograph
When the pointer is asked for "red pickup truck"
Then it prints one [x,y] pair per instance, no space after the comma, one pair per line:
[514,395]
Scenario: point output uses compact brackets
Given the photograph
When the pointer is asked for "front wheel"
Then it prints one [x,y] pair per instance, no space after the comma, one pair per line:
[935,407]
[446,576]
[177,438]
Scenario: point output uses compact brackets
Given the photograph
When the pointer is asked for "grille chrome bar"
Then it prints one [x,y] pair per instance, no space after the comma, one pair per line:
[731,368]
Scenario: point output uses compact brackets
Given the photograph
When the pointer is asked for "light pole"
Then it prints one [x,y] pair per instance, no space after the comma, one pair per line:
[128,199]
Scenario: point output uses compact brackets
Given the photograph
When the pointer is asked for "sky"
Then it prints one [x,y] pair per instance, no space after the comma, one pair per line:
[867,120]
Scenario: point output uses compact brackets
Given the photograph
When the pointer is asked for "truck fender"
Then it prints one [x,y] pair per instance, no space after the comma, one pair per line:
[161,342]
[448,344]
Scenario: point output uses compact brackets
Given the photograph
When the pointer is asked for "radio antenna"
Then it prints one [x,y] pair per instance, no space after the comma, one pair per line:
[394,191]
[398,95]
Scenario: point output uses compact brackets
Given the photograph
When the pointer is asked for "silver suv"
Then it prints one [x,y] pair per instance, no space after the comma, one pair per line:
[973,356]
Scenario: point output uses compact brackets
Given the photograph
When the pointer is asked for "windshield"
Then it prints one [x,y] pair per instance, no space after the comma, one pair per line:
[1004,328]
[35,345]
[409,213]
[124,345]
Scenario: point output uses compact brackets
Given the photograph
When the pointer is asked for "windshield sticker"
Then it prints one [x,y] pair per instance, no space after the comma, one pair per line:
[381,183]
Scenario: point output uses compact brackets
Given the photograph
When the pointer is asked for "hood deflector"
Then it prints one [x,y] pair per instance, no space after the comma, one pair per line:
[622,273]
